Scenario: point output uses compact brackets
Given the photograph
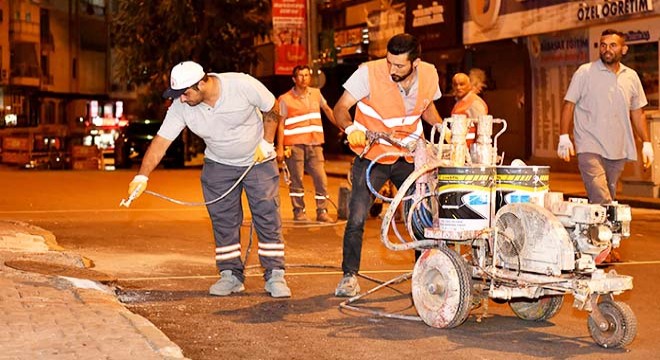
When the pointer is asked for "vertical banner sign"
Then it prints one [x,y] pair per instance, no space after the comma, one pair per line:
[433,22]
[289,35]
[554,59]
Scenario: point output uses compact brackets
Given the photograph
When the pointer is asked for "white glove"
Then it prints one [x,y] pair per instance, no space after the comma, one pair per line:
[265,151]
[647,153]
[135,189]
[565,149]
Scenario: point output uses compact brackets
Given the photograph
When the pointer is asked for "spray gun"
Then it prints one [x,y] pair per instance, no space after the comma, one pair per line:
[286,173]
[132,196]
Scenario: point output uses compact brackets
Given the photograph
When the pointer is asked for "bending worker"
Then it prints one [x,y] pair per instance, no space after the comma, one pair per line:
[302,139]
[604,102]
[392,95]
[468,103]
[225,109]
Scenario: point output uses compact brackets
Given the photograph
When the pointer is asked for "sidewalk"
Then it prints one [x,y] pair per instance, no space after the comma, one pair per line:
[60,317]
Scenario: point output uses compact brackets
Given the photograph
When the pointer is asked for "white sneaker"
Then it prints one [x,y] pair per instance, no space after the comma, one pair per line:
[348,286]
[276,285]
[227,284]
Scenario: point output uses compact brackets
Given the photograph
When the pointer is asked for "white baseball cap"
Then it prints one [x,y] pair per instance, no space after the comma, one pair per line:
[183,76]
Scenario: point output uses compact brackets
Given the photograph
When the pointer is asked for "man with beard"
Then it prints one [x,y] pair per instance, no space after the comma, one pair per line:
[604,102]
[392,95]
[237,117]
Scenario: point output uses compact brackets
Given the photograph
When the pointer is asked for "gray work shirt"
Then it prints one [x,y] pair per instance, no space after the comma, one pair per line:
[232,128]
[603,101]
[358,86]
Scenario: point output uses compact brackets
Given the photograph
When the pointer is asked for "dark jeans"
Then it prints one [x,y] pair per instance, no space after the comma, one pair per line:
[361,200]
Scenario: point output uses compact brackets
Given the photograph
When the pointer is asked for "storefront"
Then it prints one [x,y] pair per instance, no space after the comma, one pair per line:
[561,35]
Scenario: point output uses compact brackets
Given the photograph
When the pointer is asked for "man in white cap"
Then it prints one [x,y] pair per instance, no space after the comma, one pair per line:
[237,117]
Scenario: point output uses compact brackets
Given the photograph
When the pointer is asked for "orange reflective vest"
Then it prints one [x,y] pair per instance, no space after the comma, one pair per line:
[384,110]
[462,107]
[303,119]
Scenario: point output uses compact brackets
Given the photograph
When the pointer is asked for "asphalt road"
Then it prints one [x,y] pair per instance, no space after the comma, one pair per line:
[162,254]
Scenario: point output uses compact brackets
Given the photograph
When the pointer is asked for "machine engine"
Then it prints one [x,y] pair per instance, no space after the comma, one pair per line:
[594,229]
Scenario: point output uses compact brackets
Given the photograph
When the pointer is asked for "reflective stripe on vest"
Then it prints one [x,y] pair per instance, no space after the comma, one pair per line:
[303,124]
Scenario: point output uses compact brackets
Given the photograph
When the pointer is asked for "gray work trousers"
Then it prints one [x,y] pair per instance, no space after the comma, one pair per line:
[261,185]
[307,158]
[600,176]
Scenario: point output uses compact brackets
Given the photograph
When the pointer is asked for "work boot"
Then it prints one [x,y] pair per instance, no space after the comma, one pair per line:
[299,215]
[276,285]
[348,286]
[227,284]
[322,216]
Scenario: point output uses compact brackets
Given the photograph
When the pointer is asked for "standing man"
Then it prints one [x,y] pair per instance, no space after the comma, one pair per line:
[468,103]
[392,95]
[602,101]
[302,134]
[237,117]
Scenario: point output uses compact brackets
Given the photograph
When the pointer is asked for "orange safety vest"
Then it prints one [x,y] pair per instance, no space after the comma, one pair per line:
[384,110]
[461,108]
[303,119]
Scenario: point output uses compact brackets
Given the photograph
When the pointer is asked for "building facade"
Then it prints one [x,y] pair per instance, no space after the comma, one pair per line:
[55,72]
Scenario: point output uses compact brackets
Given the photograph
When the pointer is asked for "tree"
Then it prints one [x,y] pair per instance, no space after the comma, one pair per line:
[149,37]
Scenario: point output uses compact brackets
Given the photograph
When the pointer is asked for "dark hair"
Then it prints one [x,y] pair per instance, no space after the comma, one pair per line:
[405,44]
[614,32]
[195,86]
[300,67]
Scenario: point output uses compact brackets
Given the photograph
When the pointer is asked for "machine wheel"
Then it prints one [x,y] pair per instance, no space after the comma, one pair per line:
[540,309]
[442,288]
[622,325]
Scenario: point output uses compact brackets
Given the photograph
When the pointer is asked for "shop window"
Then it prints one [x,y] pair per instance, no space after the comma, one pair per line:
[643,58]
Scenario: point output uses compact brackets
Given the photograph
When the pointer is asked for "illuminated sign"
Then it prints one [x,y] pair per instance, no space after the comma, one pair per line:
[490,20]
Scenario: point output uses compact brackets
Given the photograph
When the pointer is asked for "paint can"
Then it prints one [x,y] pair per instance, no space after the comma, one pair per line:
[465,198]
[521,184]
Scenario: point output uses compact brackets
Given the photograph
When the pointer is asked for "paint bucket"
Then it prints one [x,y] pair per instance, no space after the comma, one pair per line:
[521,184]
[465,201]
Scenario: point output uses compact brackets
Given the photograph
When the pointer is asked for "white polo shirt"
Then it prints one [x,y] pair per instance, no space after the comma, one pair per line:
[603,101]
[232,128]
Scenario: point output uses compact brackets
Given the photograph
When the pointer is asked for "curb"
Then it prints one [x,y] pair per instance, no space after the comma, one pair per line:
[23,241]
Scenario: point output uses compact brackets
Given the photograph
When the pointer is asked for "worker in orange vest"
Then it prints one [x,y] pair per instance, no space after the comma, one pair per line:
[301,135]
[392,95]
[468,103]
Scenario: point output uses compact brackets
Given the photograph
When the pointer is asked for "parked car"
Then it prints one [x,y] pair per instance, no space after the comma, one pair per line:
[134,139]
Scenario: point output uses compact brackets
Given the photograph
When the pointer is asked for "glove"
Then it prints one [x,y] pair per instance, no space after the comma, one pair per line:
[265,151]
[565,149]
[355,136]
[647,153]
[137,186]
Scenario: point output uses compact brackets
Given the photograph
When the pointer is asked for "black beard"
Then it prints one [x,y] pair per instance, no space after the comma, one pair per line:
[398,78]
[615,59]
